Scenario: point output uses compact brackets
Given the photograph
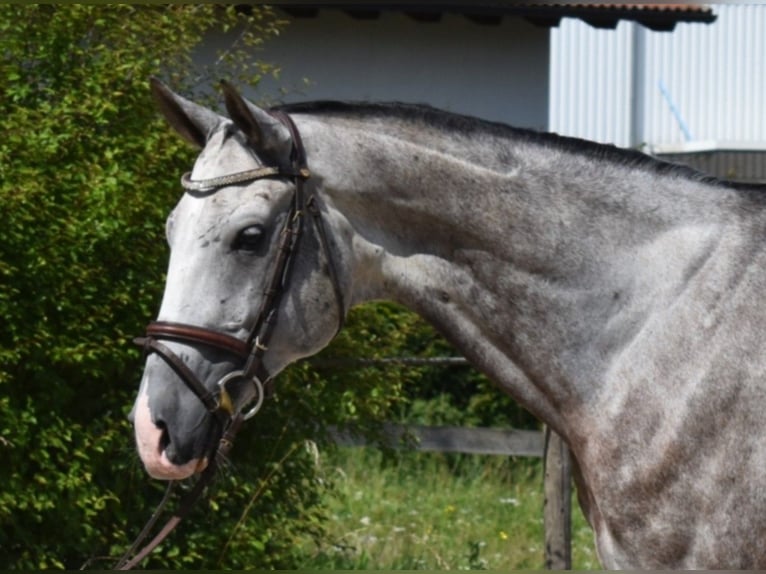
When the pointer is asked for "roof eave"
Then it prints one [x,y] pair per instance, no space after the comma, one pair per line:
[658,17]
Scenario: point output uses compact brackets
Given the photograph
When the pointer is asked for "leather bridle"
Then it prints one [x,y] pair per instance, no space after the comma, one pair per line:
[221,402]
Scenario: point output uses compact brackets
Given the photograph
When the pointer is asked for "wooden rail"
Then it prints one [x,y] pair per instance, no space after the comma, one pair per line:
[455,439]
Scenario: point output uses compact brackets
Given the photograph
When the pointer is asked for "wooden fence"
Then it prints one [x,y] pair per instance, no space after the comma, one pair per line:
[558,469]
[557,481]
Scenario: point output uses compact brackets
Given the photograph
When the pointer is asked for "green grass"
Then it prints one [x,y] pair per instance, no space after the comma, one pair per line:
[437,512]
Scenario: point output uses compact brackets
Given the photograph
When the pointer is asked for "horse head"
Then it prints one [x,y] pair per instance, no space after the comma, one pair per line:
[251,287]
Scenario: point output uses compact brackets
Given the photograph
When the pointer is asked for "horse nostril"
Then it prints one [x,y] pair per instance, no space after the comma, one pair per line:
[165,436]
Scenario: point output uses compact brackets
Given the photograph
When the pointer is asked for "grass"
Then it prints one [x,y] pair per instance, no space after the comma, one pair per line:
[437,512]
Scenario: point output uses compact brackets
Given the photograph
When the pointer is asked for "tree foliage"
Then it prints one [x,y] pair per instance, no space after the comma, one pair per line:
[84,178]
[87,178]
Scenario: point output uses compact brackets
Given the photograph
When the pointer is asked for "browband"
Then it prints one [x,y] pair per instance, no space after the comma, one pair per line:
[205,185]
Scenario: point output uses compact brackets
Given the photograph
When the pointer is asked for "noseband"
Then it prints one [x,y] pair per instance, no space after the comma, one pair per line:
[220,401]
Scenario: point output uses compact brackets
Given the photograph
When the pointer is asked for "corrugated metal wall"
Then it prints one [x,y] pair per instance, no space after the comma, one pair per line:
[607,85]
[590,81]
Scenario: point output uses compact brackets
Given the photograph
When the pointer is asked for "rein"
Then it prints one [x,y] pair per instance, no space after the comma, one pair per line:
[221,401]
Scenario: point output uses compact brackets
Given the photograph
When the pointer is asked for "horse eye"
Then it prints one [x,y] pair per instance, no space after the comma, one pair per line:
[248,239]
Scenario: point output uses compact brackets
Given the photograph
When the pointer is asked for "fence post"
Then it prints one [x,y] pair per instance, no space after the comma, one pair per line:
[557,510]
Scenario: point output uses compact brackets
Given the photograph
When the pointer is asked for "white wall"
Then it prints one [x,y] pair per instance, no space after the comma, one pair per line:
[495,72]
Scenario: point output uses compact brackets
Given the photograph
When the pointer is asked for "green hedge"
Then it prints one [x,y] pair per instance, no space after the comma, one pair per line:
[88,173]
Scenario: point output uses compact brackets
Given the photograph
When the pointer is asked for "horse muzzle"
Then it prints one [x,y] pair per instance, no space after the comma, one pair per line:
[154,446]
[174,435]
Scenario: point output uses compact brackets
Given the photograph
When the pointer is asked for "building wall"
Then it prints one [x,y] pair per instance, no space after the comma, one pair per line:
[607,85]
[591,81]
[494,72]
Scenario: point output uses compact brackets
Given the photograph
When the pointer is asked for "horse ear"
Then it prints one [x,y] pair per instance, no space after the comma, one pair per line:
[193,122]
[265,134]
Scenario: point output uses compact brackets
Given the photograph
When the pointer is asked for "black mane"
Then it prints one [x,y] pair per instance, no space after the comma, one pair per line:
[466,124]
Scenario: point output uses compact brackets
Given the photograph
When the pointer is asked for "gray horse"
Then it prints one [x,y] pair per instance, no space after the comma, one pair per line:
[616,297]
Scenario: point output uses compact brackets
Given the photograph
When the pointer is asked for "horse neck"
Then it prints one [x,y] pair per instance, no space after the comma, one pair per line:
[534,262]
